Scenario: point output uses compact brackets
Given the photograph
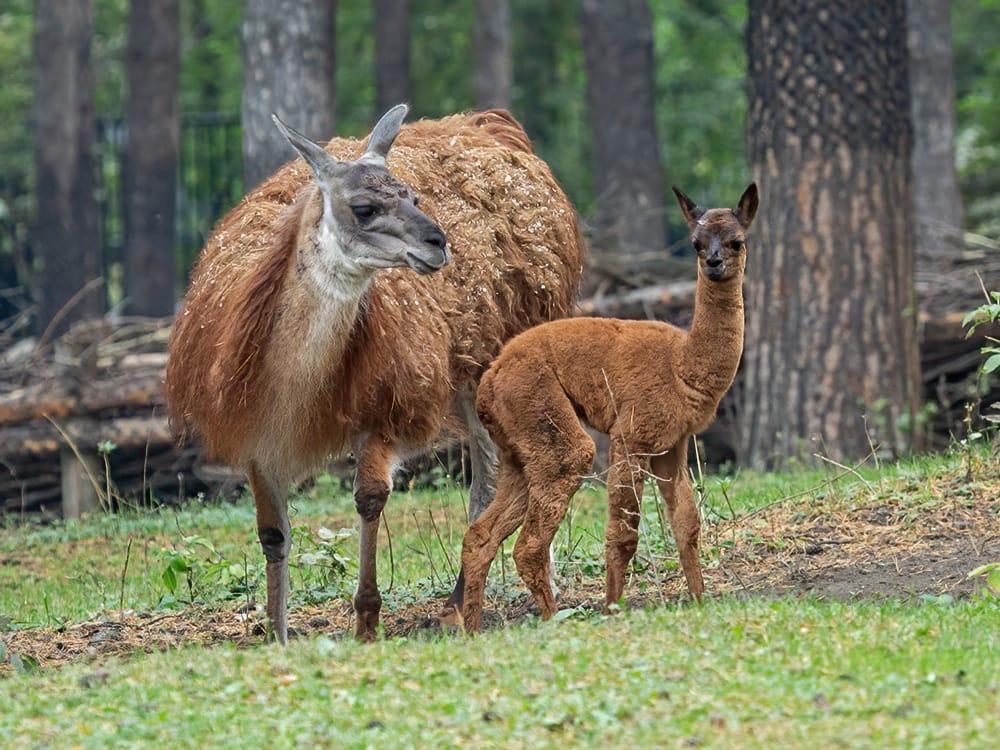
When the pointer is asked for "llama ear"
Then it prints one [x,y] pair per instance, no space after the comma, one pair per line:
[688,207]
[746,209]
[320,162]
[385,131]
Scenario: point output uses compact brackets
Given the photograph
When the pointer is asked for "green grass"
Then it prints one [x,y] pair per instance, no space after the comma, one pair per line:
[64,572]
[783,673]
[771,674]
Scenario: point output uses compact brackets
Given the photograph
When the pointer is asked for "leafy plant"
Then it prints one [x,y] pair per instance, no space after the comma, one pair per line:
[985,315]
[990,574]
[205,571]
[319,561]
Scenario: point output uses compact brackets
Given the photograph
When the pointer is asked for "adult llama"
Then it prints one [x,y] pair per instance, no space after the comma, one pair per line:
[351,303]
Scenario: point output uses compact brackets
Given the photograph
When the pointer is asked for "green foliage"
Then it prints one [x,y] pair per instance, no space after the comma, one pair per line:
[987,314]
[201,566]
[549,87]
[15,140]
[977,91]
[990,575]
[211,78]
[699,76]
[319,564]
[196,570]
[701,98]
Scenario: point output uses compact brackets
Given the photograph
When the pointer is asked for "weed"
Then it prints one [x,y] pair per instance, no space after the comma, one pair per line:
[990,575]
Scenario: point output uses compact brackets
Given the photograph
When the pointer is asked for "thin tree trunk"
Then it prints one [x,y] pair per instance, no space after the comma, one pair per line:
[494,62]
[628,175]
[288,54]
[392,53]
[831,352]
[66,234]
[936,198]
[153,127]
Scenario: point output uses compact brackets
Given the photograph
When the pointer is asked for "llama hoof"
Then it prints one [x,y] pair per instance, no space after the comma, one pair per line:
[367,628]
[450,617]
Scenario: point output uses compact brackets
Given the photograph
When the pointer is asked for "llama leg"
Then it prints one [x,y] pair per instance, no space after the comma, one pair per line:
[371,490]
[675,485]
[532,554]
[485,536]
[270,496]
[483,455]
[559,452]
[625,483]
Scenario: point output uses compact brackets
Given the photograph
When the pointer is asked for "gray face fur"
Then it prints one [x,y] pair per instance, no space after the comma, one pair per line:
[371,216]
[719,234]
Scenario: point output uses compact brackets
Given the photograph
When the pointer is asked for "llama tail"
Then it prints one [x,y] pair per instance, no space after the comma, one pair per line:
[501,124]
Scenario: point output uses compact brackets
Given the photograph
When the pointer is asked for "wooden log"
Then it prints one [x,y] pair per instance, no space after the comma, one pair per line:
[40,437]
[663,301]
[63,398]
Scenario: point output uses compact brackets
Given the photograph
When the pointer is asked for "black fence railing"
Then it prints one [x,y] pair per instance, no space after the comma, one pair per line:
[210,182]
[211,179]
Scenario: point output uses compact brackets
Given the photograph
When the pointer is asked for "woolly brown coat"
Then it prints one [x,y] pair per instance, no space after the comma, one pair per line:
[240,374]
[648,385]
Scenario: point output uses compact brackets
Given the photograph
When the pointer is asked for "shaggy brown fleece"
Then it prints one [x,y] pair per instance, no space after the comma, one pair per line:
[416,339]
[648,385]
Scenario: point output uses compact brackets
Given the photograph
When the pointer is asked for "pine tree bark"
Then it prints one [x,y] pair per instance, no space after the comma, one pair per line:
[628,176]
[392,54]
[288,54]
[66,234]
[831,350]
[493,41]
[936,197]
[152,123]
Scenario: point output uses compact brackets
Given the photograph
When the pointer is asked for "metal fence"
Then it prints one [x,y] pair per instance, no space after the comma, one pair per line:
[210,182]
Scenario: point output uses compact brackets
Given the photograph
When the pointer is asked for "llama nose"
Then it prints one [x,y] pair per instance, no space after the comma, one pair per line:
[436,238]
[713,262]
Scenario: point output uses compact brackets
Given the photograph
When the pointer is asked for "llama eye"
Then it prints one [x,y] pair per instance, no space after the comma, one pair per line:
[736,245]
[363,212]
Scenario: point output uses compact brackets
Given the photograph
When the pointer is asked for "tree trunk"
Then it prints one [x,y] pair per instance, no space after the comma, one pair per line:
[494,63]
[628,176]
[936,199]
[66,235]
[831,350]
[153,127]
[392,54]
[288,55]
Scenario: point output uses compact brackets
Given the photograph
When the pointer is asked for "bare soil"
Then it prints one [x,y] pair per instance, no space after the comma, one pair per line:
[888,547]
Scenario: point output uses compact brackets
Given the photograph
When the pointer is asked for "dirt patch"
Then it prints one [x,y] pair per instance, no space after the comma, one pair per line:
[885,545]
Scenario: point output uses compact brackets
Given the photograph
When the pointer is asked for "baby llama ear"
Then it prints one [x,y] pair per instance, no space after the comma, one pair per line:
[688,207]
[747,207]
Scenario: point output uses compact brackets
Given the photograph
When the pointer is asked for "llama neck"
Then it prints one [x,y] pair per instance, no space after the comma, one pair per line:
[712,349]
[325,294]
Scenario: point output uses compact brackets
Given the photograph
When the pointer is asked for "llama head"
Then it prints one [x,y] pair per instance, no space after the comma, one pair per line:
[719,234]
[371,218]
